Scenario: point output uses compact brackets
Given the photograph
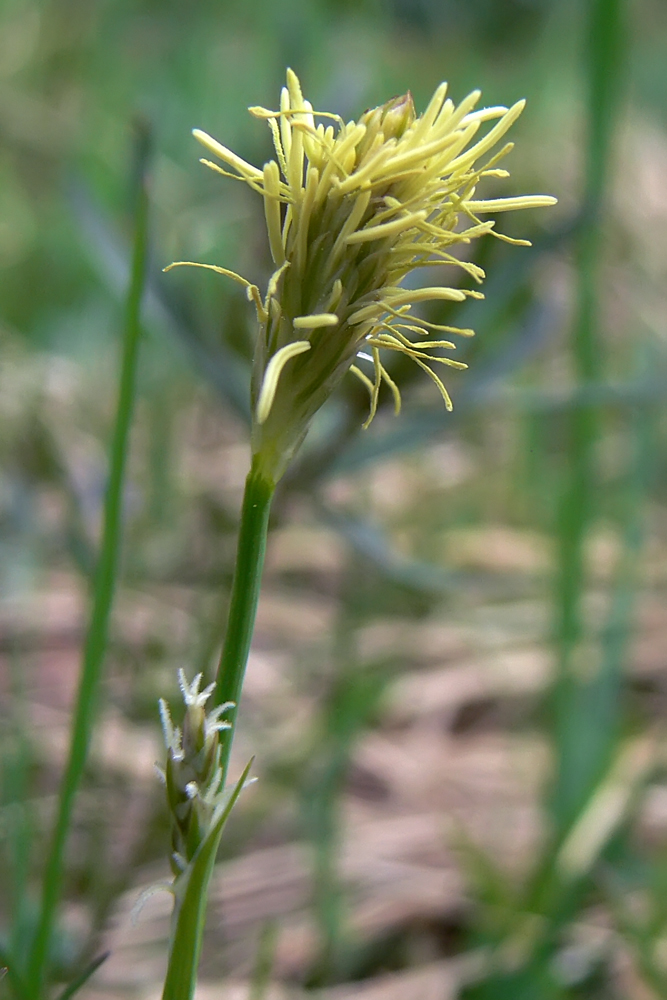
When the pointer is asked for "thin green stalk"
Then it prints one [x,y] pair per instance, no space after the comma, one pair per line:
[354,693]
[188,918]
[8,968]
[605,47]
[323,812]
[244,598]
[266,950]
[103,591]
[191,888]
[20,824]
[83,977]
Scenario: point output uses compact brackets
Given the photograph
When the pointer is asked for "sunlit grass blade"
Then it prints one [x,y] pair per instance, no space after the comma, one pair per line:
[103,590]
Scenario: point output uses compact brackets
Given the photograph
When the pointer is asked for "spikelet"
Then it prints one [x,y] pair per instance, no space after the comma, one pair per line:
[193,774]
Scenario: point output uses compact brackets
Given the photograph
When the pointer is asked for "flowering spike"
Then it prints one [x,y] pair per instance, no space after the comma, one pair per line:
[193,774]
[352,208]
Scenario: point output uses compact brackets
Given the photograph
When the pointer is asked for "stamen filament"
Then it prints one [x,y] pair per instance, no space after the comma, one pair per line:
[313,322]
[272,375]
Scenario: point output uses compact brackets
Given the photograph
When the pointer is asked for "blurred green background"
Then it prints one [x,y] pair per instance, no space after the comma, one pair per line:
[459,684]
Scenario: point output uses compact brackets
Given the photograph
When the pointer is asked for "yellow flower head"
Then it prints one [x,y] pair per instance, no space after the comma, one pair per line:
[352,208]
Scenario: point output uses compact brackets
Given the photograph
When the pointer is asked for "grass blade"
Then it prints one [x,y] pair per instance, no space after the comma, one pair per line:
[103,591]
[83,978]
[575,771]
[15,981]
[261,974]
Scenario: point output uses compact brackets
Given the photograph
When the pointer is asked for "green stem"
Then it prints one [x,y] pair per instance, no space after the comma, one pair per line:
[103,591]
[83,977]
[191,891]
[244,598]
[7,968]
[190,906]
[605,44]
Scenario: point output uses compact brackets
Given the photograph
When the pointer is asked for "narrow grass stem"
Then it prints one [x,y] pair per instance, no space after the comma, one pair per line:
[260,979]
[83,977]
[244,598]
[102,597]
[14,979]
[190,905]
[605,45]
[191,891]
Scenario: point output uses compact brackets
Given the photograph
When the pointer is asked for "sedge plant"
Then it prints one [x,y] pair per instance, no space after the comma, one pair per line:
[351,209]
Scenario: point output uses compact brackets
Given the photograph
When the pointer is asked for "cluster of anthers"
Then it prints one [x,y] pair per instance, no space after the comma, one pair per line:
[351,208]
[193,773]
